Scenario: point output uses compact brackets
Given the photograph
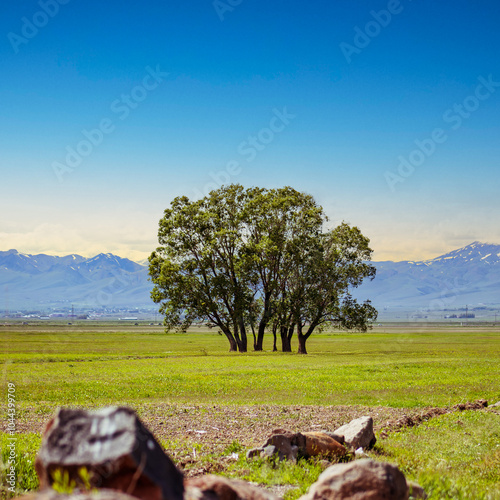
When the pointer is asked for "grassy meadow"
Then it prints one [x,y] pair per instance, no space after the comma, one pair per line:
[404,368]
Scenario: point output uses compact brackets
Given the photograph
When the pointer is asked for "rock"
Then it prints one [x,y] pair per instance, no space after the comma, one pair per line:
[360,480]
[50,494]
[254,452]
[358,433]
[116,449]
[220,488]
[338,437]
[495,405]
[289,445]
[268,451]
[282,446]
[320,444]
[415,491]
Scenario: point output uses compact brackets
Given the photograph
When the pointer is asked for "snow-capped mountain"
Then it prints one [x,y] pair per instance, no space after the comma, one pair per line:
[31,281]
[466,276]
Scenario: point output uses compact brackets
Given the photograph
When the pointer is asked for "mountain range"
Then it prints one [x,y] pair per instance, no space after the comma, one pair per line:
[468,276]
[44,281]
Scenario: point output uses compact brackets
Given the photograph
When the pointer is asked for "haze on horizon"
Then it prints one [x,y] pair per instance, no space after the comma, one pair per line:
[385,111]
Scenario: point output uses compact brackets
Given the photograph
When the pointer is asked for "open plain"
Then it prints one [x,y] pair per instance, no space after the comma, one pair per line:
[207,406]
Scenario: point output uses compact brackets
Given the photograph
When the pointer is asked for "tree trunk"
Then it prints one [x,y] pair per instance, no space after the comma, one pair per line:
[302,343]
[263,322]
[254,337]
[243,343]
[233,346]
[286,345]
[275,327]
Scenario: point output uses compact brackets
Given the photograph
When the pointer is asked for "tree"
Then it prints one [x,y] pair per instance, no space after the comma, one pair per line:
[197,270]
[319,291]
[256,259]
[280,222]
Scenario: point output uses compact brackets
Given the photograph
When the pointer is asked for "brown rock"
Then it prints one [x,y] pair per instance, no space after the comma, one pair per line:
[221,488]
[116,449]
[360,480]
[321,444]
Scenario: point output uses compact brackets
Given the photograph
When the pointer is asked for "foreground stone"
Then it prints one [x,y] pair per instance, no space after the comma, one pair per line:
[360,480]
[321,444]
[358,433]
[118,452]
[212,487]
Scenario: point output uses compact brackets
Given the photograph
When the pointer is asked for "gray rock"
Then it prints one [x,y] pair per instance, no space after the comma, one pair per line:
[358,433]
[360,480]
[268,451]
[285,445]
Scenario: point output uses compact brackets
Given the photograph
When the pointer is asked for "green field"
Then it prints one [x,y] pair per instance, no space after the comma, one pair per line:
[407,369]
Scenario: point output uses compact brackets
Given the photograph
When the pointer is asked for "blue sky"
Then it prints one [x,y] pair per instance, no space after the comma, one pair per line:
[386,111]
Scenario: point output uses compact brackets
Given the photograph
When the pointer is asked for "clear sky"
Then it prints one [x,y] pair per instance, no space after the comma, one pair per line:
[386,111]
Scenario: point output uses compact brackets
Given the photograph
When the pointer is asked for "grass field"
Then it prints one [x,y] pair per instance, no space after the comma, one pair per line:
[401,370]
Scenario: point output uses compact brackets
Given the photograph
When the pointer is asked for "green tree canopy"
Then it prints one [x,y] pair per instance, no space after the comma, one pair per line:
[256,259]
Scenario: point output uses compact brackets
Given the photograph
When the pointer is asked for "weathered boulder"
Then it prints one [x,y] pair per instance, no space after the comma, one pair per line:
[283,446]
[116,449]
[358,433]
[321,444]
[360,480]
[287,445]
[50,494]
[220,488]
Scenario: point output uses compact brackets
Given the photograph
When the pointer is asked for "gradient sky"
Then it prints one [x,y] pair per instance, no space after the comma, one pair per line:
[327,97]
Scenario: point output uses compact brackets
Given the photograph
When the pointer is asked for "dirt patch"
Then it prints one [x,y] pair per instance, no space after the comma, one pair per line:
[216,429]
[414,420]
[219,426]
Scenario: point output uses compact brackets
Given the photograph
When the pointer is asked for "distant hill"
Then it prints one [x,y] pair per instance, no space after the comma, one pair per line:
[467,276]
[41,281]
